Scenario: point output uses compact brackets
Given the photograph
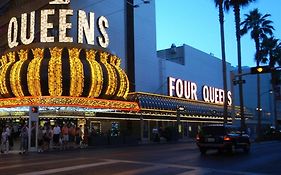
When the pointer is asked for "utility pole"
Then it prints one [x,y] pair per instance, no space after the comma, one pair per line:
[240,82]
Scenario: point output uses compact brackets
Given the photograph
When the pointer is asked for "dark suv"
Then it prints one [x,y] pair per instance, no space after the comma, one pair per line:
[222,137]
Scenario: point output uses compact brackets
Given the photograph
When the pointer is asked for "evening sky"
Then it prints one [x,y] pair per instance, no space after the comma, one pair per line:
[195,23]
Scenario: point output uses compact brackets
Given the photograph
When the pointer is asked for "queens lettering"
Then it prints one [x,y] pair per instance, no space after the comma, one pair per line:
[215,95]
[85,28]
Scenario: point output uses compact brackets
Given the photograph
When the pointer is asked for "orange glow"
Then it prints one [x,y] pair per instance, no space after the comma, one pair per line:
[226,138]
[70,101]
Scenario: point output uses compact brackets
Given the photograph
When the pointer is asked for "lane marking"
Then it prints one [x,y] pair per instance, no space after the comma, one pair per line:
[58,170]
[38,163]
[140,170]
[189,168]
[32,157]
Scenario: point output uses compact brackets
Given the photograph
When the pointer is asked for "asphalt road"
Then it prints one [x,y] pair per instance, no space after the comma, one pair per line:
[158,159]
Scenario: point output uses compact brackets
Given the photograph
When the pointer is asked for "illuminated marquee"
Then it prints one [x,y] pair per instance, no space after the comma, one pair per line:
[188,90]
[85,26]
[64,74]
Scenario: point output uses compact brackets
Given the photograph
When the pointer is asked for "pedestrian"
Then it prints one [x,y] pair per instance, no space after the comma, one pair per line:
[51,135]
[9,133]
[56,137]
[47,137]
[86,136]
[24,139]
[71,133]
[65,136]
[78,136]
[40,139]
[4,142]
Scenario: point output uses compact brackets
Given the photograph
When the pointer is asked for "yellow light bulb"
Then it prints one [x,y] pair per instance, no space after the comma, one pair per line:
[260,69]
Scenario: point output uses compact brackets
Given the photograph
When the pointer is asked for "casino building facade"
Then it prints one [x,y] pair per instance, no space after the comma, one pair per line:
[71,60]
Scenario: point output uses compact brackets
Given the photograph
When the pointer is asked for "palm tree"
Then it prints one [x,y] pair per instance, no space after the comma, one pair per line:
[271,51]
[219,4]
[271,54]
[236,4]
[260,27]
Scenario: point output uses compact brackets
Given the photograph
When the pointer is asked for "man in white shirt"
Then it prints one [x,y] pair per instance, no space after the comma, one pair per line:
[56,137]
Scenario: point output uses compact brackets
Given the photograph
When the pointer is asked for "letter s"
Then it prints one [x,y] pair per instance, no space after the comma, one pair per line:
[229,98]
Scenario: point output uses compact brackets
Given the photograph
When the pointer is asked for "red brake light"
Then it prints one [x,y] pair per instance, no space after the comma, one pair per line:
[197,137]
[226,138]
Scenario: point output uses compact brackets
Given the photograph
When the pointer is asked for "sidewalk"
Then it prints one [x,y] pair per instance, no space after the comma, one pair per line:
[16,149]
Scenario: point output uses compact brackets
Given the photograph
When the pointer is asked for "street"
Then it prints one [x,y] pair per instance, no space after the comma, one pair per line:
[169,159]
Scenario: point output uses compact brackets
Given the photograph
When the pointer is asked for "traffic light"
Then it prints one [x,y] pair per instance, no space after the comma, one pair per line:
[34,109]
[260,69]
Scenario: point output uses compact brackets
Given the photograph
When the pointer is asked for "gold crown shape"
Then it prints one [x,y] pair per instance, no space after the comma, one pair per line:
[60,2]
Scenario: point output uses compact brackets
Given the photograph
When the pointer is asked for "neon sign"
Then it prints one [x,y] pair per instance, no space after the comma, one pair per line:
[188,90]
[85,28]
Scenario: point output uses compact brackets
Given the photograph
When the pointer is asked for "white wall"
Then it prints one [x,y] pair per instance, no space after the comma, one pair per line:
[199,67]
[147,75]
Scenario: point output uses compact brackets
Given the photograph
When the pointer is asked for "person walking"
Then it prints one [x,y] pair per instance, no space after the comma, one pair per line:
[78,136]
[65,136]
[4,142]
[40,139]
[47,137]
[85,136]
[56,136]
[71,133]
[10,138]
[24,139]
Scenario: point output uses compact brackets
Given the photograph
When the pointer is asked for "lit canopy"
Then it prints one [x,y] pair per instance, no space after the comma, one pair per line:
[58,74]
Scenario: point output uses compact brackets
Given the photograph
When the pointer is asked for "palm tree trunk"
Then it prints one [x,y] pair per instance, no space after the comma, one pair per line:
[221,19]
[238,37]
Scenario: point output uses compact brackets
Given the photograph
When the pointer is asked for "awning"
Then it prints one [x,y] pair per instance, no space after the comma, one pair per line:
[160,105]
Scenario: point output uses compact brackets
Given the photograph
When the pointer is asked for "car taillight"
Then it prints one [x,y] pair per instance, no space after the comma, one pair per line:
[226,138]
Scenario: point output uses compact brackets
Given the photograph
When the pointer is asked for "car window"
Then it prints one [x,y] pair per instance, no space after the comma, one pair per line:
[213,130]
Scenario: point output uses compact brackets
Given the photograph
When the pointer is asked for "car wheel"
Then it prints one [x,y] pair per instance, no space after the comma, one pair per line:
[203,150]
